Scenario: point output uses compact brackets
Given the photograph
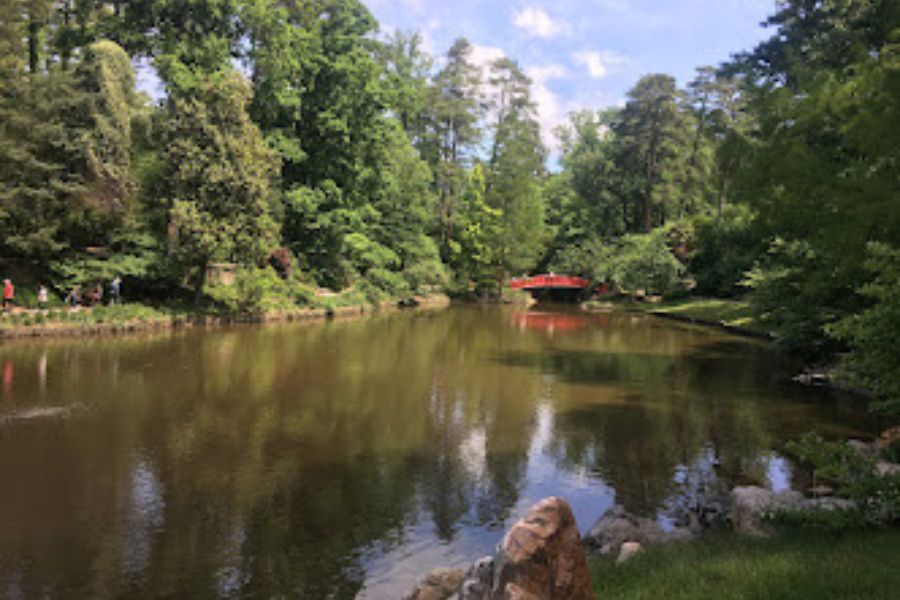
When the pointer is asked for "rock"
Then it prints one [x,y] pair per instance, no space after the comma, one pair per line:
[749,506]
[884,468]
[813,379]
[479,580]
[541,556]
[829,504]
[440,584]
[618,526]
[865,449]
[629,551]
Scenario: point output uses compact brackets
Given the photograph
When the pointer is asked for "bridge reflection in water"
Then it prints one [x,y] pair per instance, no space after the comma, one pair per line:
[552,322]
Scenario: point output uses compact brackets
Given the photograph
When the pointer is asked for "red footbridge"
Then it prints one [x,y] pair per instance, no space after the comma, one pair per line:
[552,287]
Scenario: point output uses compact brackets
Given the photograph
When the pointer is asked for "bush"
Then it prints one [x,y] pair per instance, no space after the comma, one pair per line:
[724,251]
[254,291]
[853,475]
[796,292]
[646,262]
[872,334]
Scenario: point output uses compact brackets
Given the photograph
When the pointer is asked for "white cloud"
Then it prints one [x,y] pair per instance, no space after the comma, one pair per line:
[551,112]
[538,23]
[599,64]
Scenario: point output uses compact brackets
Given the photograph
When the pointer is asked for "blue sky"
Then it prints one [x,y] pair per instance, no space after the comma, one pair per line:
[586,53]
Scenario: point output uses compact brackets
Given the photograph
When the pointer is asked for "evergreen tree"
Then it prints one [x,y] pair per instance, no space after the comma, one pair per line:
[220,179]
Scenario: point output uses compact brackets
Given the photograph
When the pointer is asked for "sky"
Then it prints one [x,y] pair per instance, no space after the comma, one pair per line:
[585,53]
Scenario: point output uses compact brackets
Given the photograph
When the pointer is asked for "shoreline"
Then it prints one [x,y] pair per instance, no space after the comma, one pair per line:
[188,320]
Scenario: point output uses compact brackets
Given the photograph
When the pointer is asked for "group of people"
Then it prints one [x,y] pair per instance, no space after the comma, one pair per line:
[75,299]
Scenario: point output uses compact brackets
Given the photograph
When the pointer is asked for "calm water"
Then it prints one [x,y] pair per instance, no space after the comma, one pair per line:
[346,459]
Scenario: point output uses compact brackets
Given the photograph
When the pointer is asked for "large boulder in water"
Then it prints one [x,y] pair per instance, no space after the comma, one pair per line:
[540,558]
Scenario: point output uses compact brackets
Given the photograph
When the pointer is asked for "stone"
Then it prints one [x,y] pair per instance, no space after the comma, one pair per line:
[440,584]
[479,580]
[830,504]
[629,550]
[884,468]
[751,504]
[865,449]
[541,556]
[617,527]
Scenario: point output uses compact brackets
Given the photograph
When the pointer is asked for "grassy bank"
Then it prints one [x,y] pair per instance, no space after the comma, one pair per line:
[794,565]
[139,317]
[735,315]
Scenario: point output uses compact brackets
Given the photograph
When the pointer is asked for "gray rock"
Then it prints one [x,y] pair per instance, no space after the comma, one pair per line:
[617,527]
[884,468]
[440,584]
[479,580]
[864,448]
[829,504]
[751,504]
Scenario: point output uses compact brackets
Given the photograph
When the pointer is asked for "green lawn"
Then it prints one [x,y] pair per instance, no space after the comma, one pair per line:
[734,313]
[795,565]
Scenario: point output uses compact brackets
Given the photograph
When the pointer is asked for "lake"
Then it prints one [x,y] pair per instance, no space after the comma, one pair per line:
[346,459]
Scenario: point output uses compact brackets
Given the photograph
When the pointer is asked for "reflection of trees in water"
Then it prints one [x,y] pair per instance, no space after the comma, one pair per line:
[280,460]
[277,461]
[670,409]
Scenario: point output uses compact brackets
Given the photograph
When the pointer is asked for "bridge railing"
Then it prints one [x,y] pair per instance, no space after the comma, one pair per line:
[549,281]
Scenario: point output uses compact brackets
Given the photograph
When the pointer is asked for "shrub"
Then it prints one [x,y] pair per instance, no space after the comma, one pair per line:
[796,292]
[853,475]
[255,290]
[872,334]
[646,262]
[724,251]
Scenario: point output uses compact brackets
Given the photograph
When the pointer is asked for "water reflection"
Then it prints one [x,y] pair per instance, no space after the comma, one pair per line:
[345,459]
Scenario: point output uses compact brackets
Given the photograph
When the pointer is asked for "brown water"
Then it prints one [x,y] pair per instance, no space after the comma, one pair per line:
[346,459]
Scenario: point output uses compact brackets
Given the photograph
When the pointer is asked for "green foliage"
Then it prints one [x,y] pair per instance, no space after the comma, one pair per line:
[724,250]
[796,292]
[219,179]
[254,291]
[646,262]
[474,247]
[871,334]
[877,497]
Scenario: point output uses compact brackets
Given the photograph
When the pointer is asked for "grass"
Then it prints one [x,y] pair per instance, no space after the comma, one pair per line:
[795,565]
[733,313]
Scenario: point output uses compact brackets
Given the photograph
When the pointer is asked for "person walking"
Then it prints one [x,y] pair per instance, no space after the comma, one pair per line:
[115,290]
[9,294]
[42,297]
[74,298]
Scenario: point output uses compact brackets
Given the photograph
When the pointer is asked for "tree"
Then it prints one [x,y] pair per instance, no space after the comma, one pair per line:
[517,163]
[41,164]
[220,179]
[406,71]
[476,238]
[650,134]
[454,113]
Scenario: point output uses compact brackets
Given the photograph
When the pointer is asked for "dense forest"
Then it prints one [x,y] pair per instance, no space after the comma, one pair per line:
[296,142]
